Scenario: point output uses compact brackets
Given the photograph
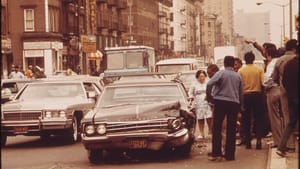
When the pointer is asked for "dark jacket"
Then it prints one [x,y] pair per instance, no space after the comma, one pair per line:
[290,78]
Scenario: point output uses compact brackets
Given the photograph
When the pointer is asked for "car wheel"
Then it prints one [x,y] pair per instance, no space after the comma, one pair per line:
[73,133]
[3,140]
[95,155]
[44,136]
[185,149]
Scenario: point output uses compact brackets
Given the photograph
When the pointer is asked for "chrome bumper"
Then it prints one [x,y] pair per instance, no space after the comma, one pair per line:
[155,141]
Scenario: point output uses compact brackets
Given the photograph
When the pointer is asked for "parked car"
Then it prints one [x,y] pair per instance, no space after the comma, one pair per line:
[49,106]
[151,113]
[175,65]
[10,87]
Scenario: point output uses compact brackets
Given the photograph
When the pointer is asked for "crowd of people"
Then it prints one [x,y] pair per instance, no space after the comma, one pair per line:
[249,100]
[31,72]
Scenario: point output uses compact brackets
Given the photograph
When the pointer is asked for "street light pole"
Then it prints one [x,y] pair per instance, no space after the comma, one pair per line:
[291,23]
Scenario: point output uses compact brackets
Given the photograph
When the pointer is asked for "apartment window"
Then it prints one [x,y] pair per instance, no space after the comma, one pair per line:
[29,20]
[53,19]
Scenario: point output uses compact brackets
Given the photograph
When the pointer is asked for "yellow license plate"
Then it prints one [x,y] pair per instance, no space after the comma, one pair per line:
[137,143]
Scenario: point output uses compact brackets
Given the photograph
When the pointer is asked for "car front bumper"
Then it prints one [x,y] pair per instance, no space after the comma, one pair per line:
[153,141]
[34,127]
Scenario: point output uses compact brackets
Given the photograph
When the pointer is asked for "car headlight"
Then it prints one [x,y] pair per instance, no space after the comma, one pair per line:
[176,124]
[62,114]
[90,129]
[101,129]
[55,114]
[48,114]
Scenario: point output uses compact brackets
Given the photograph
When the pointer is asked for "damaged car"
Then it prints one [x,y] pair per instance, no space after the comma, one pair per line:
[140,114]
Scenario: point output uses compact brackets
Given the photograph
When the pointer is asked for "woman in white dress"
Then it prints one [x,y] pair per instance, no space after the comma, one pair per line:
[203,110]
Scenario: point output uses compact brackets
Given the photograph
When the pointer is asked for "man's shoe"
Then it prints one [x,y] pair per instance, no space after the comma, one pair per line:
[274,146]
[248,145]
[218,158]
[240,143]
[258,146]
[281,153]
[290,150]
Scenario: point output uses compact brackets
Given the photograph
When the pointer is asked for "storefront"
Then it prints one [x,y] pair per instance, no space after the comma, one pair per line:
[47,55]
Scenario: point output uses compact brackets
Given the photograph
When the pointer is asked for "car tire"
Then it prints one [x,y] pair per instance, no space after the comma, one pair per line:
[95,155]
[44,136]
[73,133]
[3,140]
[185,149]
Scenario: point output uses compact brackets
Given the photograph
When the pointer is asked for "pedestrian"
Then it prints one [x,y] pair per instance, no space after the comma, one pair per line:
[29,72]
[16,74]
[69,72]
[39,73]
[262,49]
[291,47]
[237,65]
[253,77]
[290,82]
[272,92]
[211,70]
[227,98]
[198,92]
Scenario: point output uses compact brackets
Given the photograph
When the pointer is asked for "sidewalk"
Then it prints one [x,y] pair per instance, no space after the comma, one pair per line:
[291,161]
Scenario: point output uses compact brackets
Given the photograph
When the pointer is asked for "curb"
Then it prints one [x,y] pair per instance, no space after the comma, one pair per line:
[274,161]
[269,156]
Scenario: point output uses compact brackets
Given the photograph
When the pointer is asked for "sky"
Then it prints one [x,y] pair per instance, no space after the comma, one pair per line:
[276,14]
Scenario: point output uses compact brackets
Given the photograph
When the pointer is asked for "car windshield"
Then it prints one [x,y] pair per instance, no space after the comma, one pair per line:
[52,90]
[139,94]
[14,86]
[173,68]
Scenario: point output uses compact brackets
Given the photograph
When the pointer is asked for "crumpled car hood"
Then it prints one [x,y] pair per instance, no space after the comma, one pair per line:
[42,104]
[135,112]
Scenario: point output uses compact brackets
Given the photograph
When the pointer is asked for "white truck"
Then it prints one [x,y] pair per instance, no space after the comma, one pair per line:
[221,51]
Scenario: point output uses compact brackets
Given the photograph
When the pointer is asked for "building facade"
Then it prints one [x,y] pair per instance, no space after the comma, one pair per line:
[224,10]
[6,49]
[260,32]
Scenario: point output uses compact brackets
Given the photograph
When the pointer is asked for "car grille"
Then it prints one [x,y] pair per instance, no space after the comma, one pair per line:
[20,116]
[124,127]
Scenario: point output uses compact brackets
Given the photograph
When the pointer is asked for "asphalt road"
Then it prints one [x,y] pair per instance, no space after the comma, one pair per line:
[23,152]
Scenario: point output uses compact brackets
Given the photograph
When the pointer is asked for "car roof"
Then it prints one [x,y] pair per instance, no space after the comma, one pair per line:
[143,82]
[177,61]
[25,80]
[127,48]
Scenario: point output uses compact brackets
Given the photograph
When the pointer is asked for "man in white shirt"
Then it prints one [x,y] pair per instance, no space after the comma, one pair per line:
[272,91]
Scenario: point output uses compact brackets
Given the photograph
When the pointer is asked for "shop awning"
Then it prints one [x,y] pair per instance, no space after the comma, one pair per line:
[95,55]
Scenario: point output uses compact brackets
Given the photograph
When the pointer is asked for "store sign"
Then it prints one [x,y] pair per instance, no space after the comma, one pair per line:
[88,43]
[37,45]
[34,53]
[56,45]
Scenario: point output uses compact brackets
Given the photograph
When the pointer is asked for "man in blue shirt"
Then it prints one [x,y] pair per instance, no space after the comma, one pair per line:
[227,98]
